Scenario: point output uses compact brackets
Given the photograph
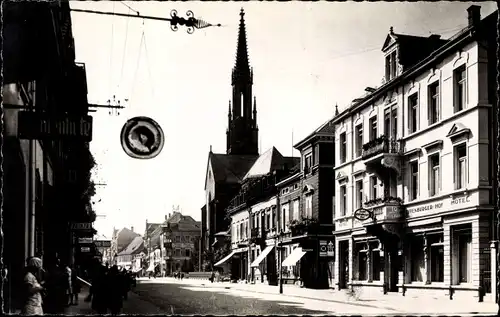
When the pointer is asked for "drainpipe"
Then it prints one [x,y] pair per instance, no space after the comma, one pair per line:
[32,184]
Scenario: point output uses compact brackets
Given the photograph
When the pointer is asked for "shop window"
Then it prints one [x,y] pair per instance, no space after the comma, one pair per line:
[437,263]
[465,257]
[376,265]
[417,260]
[362,264]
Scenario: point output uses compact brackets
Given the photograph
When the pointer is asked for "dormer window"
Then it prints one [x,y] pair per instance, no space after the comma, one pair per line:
[307,163]
[390,66]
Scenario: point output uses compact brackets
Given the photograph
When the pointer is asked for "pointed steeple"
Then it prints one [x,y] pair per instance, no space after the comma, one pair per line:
[255,110]
[241,70]
[336,110]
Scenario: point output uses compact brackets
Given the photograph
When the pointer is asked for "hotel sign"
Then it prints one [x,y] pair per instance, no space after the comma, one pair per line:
[42,125]
[438,206]
[102,243]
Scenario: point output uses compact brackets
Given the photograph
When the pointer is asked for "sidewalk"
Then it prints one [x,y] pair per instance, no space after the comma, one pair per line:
[390,302]
[132,306]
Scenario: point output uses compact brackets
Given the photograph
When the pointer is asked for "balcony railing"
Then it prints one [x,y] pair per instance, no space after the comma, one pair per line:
[380,145]
[385,209]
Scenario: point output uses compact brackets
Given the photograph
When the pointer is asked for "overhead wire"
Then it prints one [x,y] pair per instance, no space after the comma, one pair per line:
[111,50]
[151,83]
[134,79]
[124,51]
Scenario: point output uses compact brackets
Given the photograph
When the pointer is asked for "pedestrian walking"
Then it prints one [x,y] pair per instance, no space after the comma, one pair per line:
[32,296]
[98,290]
[56,286]
[69,286]
[212,277]
[115,291]
[75,287]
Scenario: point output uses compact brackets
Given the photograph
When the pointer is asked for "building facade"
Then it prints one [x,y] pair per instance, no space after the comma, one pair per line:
[42,176]
[306,211]
[225,172]
[414,164]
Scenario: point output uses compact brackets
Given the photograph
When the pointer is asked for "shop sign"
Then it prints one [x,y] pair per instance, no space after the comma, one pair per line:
[323,248]
[81,226]
[439,205]
[85,249]
[330,249]
[102,243]
[38,125]
[362,214]
[85,240]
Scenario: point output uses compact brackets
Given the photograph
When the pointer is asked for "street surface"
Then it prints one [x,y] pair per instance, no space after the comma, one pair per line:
[168,296]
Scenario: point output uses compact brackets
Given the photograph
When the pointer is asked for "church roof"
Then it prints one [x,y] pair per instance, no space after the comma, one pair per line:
[229,168]
[268,162]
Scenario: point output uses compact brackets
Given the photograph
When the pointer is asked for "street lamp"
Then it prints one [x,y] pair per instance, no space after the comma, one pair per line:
[280,238]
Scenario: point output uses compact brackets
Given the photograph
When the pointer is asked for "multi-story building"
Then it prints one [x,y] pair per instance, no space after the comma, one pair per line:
[225,172]
[42,176]
[127,257]
[179,238]
[251,223]
[305,201]
[120,240]
[414,168]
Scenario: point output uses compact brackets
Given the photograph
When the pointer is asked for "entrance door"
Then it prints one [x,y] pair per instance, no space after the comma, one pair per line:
[343,264]
[393,270]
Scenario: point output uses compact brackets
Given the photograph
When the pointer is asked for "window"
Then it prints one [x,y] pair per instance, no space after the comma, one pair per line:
[268,220]
[343,148]
[413,113]
[460,88]
[376,265]
[373,128]
[343,200]
[307,163]
[387,123]
[433,103]
[177,252]
[434,174]
[285,217]
[309,202]
[465,257]
[187,238]
[177,238]
[413,180]
[359,194]
[460,166]
[437,262]
[362,264]
[274,224]
[390,66]
[373,187]
[241,232]
[394,124]
[359,139]
[188,252]
[296,211]
[417,260]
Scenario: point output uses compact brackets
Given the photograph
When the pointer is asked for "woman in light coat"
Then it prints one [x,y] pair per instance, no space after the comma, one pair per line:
[32,301]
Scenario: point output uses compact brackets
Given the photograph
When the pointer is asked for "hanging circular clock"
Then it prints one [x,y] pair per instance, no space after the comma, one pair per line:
[142,138]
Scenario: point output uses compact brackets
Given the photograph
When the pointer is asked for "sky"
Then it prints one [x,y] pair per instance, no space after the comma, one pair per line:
[307,57]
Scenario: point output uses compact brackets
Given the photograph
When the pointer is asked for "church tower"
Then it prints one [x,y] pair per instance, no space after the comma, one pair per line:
[242,132]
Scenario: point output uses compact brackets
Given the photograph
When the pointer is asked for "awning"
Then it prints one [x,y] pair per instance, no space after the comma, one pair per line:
[294,257]
[262,256]
[227,257]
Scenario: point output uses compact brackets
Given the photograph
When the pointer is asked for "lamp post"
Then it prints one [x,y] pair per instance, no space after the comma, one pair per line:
[280,237]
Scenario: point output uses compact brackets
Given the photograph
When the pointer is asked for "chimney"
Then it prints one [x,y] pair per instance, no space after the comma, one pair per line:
[474,14]
[132,228]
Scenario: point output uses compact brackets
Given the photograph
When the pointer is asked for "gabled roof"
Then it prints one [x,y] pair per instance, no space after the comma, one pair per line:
[267,162]
[150,227]
[134,247]
[326,128]
[230,169]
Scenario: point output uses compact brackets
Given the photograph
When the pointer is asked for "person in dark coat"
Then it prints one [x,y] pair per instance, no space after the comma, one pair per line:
[76,287]
[115,291]
[98,290]
[56,286]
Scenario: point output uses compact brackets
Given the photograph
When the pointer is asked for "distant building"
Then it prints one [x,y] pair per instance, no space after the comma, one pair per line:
[180,241]
[127,257]
[119,241]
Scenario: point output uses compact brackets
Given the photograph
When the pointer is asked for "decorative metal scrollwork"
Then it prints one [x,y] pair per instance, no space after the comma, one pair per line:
[191,23]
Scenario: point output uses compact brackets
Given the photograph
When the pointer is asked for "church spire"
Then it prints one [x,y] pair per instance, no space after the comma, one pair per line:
[241,70]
